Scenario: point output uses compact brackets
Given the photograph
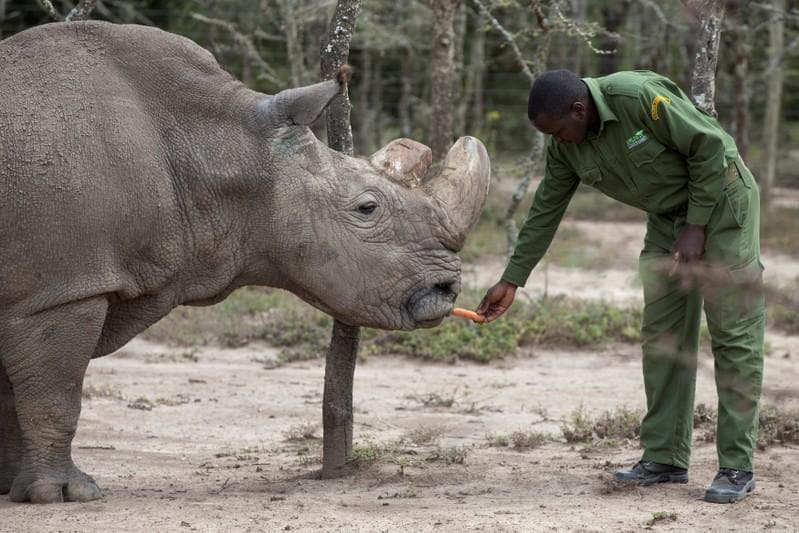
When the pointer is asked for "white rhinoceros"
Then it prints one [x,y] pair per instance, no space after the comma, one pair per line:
[137,176]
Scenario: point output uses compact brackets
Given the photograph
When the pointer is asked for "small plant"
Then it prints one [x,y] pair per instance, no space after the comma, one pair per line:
[449,456]
[525,440]
[782,309]
[621,424]
[662,516]
[301,432]
[704,416]
[180,399]
[777,427]
[434,399]
[141,403]
[499,441]
[370,452]
[101,391]
[423,435]
[309,459]
[579,428]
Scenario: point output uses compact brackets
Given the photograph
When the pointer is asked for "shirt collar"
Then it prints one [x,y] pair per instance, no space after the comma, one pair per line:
[605,113]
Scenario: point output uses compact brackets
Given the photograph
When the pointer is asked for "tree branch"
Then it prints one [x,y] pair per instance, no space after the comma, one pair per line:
[50,10]
[508,38]
[81,11]
[246,45]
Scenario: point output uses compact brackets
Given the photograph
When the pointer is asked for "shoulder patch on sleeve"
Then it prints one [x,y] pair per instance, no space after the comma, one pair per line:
[653,109]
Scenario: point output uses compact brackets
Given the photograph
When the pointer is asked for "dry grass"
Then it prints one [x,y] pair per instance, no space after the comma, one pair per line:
[301,432]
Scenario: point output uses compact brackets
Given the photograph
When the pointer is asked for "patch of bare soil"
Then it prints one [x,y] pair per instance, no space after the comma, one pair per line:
[199,441]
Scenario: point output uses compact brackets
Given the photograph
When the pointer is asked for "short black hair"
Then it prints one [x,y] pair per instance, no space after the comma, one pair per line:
[554,92]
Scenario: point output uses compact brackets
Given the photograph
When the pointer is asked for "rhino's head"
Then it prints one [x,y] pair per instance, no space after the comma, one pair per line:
[371,242]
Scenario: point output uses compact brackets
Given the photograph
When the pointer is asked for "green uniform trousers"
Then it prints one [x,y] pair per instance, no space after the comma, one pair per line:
[731,286]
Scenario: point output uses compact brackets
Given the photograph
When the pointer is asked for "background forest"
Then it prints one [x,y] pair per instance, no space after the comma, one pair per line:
[275,44]
[524,442]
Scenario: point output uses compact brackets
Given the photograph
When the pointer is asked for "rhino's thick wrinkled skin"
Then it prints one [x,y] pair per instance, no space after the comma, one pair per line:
[138,176]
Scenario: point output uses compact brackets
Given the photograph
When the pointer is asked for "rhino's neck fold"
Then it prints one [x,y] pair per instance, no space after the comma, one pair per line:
[224,184]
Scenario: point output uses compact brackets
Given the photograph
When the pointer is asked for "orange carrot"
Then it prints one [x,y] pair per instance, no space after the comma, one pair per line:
[465,313]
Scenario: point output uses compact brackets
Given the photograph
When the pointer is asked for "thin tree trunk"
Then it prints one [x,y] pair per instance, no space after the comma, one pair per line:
[294,53]
[576,59]
[406,94]
[613,17]
[773,98]
[443,77]
[737,42]
[337,400]
[470,110]
[376,105]
[365,122]
[460,90]
[343,352]
[703,78]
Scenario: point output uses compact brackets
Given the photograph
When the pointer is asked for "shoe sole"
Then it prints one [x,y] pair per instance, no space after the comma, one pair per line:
[666,477]
[729,498]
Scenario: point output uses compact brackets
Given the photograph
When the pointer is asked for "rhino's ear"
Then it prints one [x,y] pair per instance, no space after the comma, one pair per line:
[301,106]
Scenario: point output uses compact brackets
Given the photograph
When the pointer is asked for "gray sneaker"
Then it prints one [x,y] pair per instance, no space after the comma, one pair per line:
[730,486]
[648,473]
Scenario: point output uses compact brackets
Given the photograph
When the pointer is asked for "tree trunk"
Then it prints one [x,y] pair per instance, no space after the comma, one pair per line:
[337,400]
[364,121]
[442,77]
[343,352]
[471,110]
[294,53]
[576,56]
[737,41]
[613,17]
[406,94]
[773,98]
[376,105]
[460,90]
[703,78]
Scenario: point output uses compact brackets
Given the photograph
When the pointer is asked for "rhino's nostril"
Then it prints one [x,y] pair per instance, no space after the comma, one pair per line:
[447,287]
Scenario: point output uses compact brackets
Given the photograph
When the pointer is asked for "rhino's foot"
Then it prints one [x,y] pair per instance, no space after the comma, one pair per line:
[78,487]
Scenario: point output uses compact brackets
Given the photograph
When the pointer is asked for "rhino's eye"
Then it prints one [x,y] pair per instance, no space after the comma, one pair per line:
[367,208]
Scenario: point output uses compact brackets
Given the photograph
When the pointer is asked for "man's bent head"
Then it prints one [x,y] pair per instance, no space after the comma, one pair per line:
[559,106]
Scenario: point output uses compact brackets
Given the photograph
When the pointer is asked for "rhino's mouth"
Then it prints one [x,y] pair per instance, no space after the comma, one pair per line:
[427,307]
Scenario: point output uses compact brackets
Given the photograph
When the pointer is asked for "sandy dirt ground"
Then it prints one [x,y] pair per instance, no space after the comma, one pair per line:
[198,440]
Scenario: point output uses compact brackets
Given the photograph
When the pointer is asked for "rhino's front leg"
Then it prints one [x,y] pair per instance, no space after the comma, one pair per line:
[10,438]
[45,358]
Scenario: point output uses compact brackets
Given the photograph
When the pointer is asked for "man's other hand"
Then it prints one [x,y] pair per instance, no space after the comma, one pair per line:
[688,249]
[497,300]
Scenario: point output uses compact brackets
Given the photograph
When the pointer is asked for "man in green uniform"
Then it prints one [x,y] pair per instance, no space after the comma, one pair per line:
[636,137]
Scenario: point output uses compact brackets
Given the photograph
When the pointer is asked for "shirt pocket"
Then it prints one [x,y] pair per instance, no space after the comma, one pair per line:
[646,153]
[590,176]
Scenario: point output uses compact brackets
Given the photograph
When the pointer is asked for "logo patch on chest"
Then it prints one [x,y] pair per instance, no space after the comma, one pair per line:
[636,139]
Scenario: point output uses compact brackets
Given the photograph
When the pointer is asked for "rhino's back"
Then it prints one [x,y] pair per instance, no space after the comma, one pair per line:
[87,202]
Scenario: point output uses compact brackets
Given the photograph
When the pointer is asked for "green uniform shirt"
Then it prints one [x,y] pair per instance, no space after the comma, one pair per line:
[654,150]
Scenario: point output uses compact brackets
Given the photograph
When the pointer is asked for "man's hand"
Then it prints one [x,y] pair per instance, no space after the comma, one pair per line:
[688,249]
[497,300]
